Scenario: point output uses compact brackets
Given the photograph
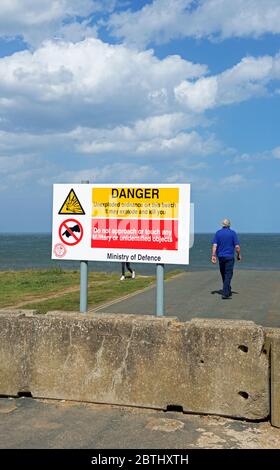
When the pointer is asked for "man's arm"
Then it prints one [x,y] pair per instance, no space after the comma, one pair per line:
[237,247]
[214,257]
[238,254]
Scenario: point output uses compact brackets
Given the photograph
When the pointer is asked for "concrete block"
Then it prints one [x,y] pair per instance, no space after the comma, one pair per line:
[272,348]
[204,366]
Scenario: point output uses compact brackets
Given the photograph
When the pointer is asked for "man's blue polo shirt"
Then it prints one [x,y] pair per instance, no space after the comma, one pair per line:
[226,240]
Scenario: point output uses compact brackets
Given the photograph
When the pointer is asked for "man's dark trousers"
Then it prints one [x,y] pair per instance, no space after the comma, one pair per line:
[226,270]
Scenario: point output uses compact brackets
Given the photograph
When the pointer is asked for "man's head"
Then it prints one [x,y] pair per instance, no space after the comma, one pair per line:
[225,223]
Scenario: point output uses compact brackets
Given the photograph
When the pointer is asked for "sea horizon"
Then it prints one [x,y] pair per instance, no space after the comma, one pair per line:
[32,250]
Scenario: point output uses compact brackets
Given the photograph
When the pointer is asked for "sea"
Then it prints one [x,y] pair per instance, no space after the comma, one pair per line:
[22,251]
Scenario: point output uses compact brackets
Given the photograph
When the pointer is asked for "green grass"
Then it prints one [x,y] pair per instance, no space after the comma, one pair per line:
[20,286]
[30,287]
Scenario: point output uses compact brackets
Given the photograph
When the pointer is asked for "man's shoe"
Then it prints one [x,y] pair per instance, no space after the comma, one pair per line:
[226,297]
[133,275]
[122,278]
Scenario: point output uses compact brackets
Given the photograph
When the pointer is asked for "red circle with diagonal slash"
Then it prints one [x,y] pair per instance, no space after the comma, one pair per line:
[66,225]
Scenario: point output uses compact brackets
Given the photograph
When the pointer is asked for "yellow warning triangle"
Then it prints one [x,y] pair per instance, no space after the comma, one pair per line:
[71,205]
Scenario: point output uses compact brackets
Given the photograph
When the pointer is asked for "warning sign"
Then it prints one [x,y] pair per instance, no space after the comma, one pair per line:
[71,232]
[137,223]
[71,205]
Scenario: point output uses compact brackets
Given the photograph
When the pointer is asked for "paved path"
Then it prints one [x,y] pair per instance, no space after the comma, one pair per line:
[26,423]
[256,296]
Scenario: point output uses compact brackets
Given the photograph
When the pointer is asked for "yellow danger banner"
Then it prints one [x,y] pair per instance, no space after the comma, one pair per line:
[135,202]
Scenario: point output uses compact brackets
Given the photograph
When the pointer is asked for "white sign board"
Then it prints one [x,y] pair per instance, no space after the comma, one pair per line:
[121,222]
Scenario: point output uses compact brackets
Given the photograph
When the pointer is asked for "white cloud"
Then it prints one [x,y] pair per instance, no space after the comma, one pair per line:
[256,157]
[157,21]
[13,142]
[237,18]
[117,172]
[243,158]
[162,135]
[63,86]
[233,181]
[163,20]
[186,144]
[90,82]
[157,139]
[38,20]
[276,153]
[18,169]
[13,163]
[247,79]
[100,101]
[199,95]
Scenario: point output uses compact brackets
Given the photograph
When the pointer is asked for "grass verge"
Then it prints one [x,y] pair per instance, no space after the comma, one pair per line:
[56,289]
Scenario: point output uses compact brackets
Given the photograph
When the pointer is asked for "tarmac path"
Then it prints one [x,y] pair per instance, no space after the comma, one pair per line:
[256,297]
[26,423]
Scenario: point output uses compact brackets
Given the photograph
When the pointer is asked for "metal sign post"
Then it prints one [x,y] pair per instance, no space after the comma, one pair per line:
[160,290]
[83,286]
[84,281]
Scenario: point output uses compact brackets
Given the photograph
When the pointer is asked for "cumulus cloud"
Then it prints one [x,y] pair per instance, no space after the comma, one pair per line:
[162,135]
[94,84]
[96,100]
[198,96]
[117,172]
[146,139]
[164,20]
[247,79]
[18,169]
[39,20]
[90,82]
[159,21]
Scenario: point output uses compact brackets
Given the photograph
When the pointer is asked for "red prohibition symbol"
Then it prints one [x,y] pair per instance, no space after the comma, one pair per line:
[71,232]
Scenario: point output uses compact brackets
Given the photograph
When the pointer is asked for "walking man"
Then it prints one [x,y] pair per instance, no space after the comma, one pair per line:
[224,246]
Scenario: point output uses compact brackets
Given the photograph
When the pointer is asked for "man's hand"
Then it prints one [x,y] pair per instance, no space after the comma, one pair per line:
[214,259]
[238,254]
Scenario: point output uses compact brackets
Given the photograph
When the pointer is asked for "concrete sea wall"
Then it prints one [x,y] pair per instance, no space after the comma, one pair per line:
[203,366]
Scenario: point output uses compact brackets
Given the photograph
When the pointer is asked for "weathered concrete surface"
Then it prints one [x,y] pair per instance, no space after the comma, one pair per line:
[204,366]
[26,423]
[273,349]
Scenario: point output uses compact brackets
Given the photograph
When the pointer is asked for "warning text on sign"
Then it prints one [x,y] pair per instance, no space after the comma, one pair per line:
[154,203]
[135,234]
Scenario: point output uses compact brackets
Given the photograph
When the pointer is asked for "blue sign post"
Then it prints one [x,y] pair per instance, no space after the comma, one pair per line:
[160,291]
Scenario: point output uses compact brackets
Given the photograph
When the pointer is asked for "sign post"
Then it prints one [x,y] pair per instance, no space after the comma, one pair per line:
[160,291]
[83,286]
[84,281]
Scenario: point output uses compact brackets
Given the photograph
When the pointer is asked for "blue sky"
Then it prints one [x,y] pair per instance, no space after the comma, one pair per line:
[175,91]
